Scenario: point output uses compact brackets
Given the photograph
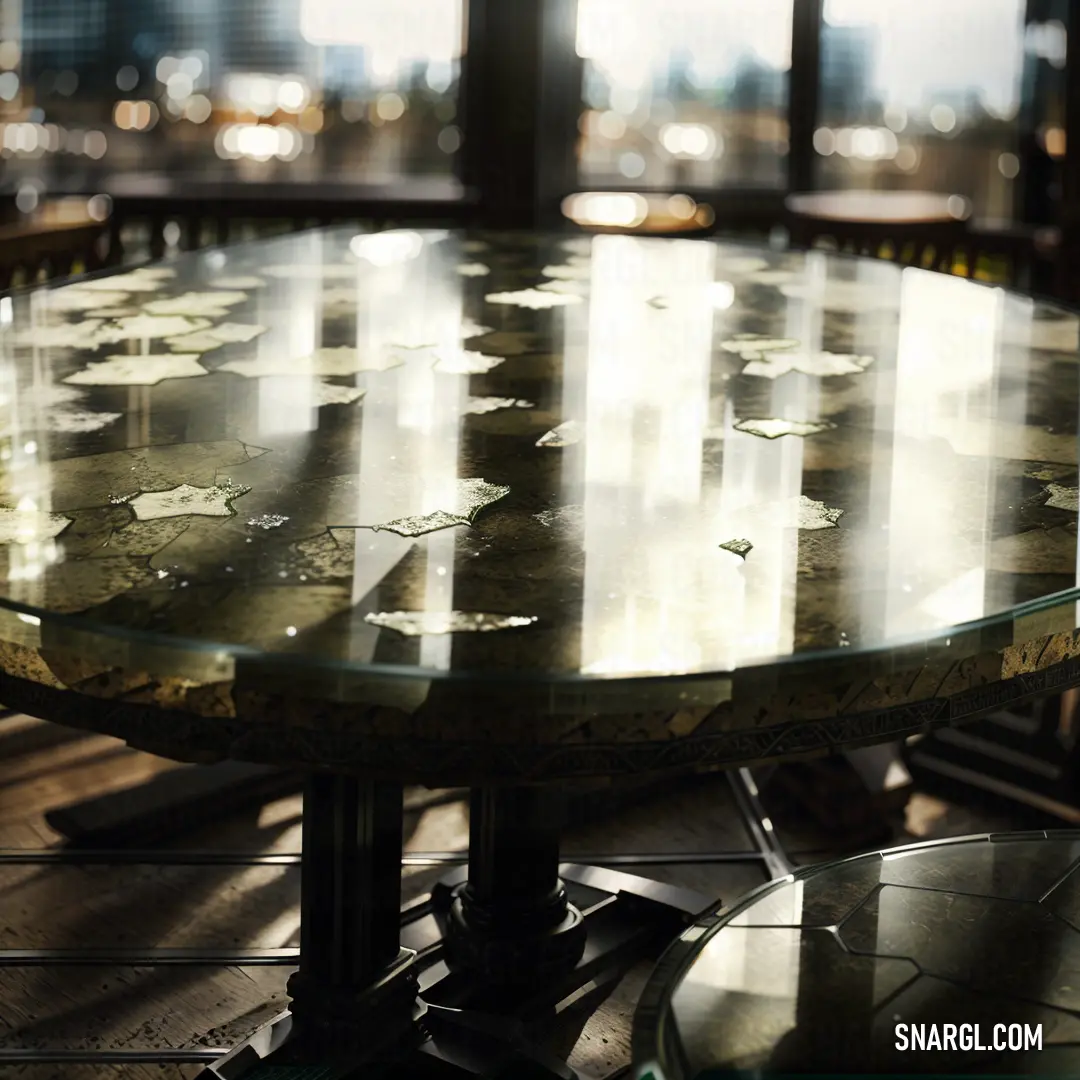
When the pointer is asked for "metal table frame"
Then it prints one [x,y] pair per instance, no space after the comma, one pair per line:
[766,853]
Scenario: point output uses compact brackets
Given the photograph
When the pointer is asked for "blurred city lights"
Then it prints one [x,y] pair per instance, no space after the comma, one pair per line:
[1052,140]
[895,117]
[390,106]
[293,95]
[825,141]
[198,108]
[449,140]
[99,207]
[311,120]
[264,95]
[609,125]
[27,140]
[689,140]
[1049,41]
[943,118]
[179,85]
[863,143]
[1009,166]
[127,78]
[135,115]
[166,66]
[907,158]
[353,111]
[681,207]
[26,198]
[259,142]
[439,76]
[606,209]
[192,66]
[66,83]
[95,145]
[959,207]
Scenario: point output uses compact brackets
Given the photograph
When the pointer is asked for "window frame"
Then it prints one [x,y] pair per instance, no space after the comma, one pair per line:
[525,50]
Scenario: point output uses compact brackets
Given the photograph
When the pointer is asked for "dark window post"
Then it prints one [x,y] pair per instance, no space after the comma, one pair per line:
[803,90]
[521,94]
[1069,263]
[1071,192]
[1037,191]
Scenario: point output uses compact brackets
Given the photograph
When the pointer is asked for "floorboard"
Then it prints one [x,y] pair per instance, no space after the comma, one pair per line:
[43,766]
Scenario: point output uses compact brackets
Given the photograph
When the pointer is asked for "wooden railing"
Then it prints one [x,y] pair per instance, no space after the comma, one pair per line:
[73,236]
[63,237]
[191,215]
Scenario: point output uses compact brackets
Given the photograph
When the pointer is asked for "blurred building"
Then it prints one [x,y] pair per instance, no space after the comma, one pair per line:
[848,62]
[685,94]
[63,35]
[757,87]
[345,69]
[264,37]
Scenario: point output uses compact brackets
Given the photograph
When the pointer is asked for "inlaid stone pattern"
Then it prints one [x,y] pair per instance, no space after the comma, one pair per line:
[884,964]
[249,475]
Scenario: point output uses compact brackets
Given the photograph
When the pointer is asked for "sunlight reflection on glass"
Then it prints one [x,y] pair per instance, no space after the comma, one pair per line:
[727,964]
[387,248]
[24,456]
[25,460]
[761,483]
[804,323]
[287,405]
[939,503]
[645,602]
[417,474]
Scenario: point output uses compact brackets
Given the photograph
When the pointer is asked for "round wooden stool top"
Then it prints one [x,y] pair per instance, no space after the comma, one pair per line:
[628,212]
[879,207]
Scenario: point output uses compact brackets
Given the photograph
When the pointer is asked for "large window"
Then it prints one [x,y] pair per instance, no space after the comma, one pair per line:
[913,94]
[357,90]
[675,94]
[689,93]
[922,94]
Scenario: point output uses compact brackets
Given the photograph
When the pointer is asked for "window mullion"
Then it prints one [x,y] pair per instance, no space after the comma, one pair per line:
[1071,182]
[520,100]
[803,84]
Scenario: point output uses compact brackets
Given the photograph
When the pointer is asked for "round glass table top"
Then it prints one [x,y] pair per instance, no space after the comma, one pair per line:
[941,958]
[539,459]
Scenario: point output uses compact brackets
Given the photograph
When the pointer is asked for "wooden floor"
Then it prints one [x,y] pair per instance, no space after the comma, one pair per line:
[43,766]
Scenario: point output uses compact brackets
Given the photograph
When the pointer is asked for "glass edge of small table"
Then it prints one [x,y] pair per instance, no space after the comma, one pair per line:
[655,1049]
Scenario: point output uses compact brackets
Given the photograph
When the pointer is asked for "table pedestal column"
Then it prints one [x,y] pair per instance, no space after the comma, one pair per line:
[356,988]
[511,921]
